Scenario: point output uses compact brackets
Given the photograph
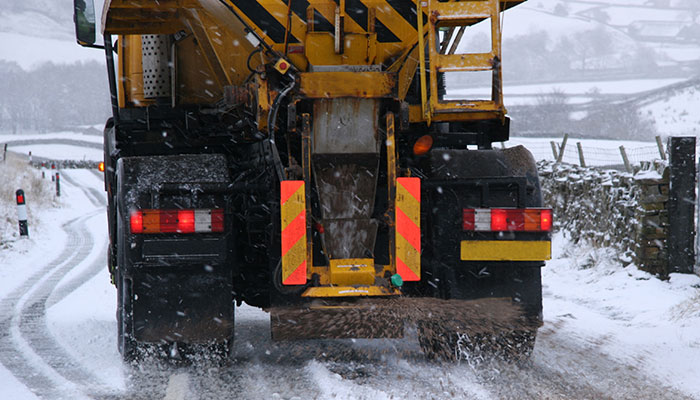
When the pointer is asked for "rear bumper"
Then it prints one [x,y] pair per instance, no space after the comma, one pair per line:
[505,250]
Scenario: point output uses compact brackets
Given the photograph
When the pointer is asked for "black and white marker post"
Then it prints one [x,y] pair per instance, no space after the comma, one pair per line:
[58,185]
[22,213]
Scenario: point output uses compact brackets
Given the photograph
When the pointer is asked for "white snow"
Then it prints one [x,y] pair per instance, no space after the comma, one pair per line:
[61,152]
[677,114]
[12,388]
[584,88]
[635,317]
[73,135]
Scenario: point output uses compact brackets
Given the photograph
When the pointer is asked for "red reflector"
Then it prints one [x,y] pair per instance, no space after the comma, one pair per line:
[515,220]
[217,220]
[168,221]
[296,49]
[468,219]
[499,221]
[20,199]
[546,220]
[136,222]
[185,221]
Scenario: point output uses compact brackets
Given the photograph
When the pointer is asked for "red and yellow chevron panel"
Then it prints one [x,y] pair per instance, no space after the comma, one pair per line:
[407,241]
[293,213]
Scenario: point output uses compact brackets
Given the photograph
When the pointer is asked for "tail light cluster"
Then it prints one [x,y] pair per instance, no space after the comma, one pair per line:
[177,221]
[507,219]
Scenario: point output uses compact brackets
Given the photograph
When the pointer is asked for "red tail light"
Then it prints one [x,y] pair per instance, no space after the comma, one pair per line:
[177,221]
[498,220]
[507,219]
[136,222]
[185,221]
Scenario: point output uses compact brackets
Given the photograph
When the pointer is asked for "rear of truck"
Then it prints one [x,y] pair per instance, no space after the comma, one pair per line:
[305,157]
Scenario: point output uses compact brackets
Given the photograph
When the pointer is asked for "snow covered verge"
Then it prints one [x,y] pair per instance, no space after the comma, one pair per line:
[649,324]
[594,290]
[16,173]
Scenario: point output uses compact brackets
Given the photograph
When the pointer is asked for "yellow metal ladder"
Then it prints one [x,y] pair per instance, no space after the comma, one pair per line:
[454,17]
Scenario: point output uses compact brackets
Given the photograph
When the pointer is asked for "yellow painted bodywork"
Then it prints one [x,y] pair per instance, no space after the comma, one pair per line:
[505,250]
[350,291]
[320,85]
[352,271]
[212,50]
[214,46]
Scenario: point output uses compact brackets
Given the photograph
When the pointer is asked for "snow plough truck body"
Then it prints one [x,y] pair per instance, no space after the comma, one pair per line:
[305,156]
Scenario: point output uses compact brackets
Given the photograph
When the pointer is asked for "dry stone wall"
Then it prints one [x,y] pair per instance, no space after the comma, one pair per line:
[609,208]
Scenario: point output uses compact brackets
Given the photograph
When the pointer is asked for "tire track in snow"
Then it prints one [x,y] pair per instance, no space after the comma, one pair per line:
[27,348]
[96,197]
[565,366]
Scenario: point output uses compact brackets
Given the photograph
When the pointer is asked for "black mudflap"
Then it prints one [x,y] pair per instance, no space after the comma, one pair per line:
[182,307]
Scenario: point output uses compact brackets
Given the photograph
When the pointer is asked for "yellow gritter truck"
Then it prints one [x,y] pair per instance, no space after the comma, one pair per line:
[305,155]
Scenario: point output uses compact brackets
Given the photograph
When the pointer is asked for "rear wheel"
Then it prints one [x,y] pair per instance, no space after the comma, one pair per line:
[438,343]
[510,338]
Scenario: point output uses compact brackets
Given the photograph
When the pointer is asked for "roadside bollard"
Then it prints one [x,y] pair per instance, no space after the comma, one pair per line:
[30,157]
[58,185]
[22,213]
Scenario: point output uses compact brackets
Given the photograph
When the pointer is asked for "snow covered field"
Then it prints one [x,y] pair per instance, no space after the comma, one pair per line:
[61,152]
[609,332]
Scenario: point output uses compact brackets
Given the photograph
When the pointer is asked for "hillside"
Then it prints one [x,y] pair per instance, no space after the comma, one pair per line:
[33,32]
[585,54]
[39,18]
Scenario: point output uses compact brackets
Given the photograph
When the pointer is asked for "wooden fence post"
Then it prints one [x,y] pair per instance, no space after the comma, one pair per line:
[554,150]
[581,160]
[563,147]
[626,160]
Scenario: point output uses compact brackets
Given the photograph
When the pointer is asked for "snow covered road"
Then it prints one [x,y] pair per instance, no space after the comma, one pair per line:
[602,338]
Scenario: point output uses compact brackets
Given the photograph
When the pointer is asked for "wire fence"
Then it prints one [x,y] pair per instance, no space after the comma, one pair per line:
[599,153]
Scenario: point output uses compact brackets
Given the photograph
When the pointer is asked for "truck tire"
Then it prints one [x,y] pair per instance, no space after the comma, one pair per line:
[128,347]
[439,344]
[515,344]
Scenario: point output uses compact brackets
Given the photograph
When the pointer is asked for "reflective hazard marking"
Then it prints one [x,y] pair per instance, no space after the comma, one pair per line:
[293,213]
[408,228]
